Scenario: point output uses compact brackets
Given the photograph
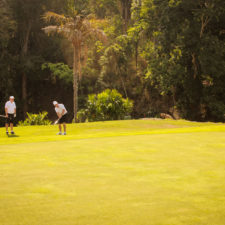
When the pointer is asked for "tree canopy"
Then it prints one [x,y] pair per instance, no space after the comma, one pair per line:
[167,56]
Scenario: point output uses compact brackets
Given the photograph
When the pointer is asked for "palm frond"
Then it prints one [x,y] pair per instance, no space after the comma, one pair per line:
[48,16]
[97,23]
[50,29]
[58,29]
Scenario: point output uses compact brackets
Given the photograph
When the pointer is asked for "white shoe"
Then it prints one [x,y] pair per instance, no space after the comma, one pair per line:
[60,133]
[64,133]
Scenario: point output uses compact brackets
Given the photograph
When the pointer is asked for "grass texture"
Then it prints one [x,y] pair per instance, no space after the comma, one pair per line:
[137,172]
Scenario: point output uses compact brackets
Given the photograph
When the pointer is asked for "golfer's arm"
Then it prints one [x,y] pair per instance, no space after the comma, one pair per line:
[6,111]
[15,111]
[59,115]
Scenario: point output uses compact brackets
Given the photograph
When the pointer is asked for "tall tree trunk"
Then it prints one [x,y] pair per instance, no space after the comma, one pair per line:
[174,100]
[24,93]
[123,83]
[125,15]
[136,55]
[76,54]
[196,86]
[124,87]
[24,76]
[126,6]
[195,67]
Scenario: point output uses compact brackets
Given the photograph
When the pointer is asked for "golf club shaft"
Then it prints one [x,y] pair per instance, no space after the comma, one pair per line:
[56,121]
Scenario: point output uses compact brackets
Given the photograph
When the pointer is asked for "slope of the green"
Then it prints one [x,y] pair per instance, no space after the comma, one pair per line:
[105,129]
[114,173]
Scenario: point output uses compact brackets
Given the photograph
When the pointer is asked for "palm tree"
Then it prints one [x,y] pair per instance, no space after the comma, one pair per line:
[78,30]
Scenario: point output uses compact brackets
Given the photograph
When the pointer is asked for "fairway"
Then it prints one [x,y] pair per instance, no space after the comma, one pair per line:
[137,172]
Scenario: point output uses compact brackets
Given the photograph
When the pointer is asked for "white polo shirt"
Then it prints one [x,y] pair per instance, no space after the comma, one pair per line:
[10,106]
[60,109]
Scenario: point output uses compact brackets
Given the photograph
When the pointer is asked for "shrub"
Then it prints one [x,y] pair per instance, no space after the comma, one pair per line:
[108,105]
[35,119]
[216,111]
[81,116]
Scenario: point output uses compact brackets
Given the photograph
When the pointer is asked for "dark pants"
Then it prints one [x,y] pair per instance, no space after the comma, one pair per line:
[63,119]
[10,119]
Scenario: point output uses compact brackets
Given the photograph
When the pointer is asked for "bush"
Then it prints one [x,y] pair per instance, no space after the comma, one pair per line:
[35,119]
[108,105]
[216,111]
[81,116]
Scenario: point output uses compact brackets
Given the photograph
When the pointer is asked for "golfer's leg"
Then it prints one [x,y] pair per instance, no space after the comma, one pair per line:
[11,126]
[60,128]
[6,127]
[64,126]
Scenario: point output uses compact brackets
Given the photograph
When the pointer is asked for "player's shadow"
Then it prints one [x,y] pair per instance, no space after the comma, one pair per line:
[12,136]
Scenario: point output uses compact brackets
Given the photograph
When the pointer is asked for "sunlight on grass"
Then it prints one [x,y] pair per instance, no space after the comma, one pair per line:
[114,173]
[106,129]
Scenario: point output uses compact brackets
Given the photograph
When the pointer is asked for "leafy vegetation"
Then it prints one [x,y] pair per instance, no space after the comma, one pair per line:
[166,56]
[78,30]
[108,105]
[35,119]
[59,70]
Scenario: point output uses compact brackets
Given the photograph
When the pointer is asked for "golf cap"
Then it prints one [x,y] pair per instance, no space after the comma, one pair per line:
[11,97]
[55,102]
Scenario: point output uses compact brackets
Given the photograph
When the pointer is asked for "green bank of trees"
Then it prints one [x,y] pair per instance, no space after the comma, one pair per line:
[7,31]
[185,54]
[79,30]
[167,56]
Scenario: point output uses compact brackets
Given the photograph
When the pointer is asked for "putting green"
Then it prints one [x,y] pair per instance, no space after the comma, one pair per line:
[141,172]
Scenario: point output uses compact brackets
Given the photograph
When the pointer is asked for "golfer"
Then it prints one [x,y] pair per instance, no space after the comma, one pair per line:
[62,115]
[10,114]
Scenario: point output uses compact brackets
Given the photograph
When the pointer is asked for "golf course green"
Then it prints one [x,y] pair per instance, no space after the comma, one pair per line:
[134,172]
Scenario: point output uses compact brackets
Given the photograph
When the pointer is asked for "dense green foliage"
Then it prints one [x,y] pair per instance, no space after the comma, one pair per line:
[35,119]
[185,54]
[166,55]
[108,105]
[60,70]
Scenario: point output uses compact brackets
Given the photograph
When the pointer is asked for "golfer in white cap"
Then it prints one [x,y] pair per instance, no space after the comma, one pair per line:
[10,114]
[62,115]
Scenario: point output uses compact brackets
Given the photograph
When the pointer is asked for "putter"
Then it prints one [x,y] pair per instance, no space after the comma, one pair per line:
[56,121]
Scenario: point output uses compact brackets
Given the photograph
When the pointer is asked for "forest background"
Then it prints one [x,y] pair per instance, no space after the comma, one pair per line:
[168,56]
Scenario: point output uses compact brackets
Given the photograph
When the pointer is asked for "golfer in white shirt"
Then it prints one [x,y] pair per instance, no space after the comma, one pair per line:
[10,114]
[62,115]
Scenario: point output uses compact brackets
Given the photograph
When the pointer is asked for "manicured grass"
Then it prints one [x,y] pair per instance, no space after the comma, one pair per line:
[140,172]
